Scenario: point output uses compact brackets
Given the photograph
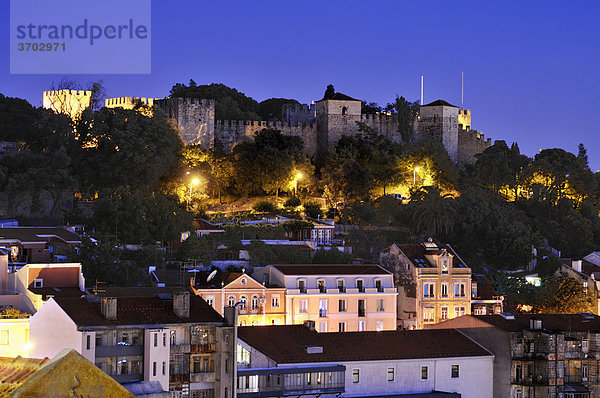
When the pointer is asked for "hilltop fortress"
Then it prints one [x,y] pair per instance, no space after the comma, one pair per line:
[320,125]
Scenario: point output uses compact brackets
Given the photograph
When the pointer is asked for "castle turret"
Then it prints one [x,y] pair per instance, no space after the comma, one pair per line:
[336,116]
[438,121]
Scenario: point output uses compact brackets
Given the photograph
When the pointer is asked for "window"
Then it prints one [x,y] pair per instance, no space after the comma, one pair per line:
[423,372]
[444,289]
[340,285]
[323,308]
[344,111]
[38,283]
[226,365]
[210,300]
[342,305]
[302,286]
[321,286]
[164,339]
[444,314]
[428,289]
[243,300]
[88,342]
[155,340]
[303,306]
[275,301]
[584,372]
[341,326]
[459,311]
[518,372]
[230,301]
[243,355]
[355,376]
[379,326]
[585,345]
[519,393]
[454,371]
[254,303]
[445,265]
[172,337]
[379,285]
[380,307]
[164,368]
[153,368]
[459,290]
[390,374]
[361,308]
[360,285]
[428,314]
[322,327]
[361,326]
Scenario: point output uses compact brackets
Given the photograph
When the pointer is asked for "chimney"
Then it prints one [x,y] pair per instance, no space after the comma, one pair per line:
[310,325]
[181,304]
[576,265]
[108,307]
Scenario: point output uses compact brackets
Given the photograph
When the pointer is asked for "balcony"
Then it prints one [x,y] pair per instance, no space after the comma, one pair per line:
[180,349]
[179,378]
[209,347]
[119,350]
[539,380]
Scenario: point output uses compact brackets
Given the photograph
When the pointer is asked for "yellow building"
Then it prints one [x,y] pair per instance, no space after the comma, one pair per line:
[337,297]
[14,337]
[263,305]
[437,286]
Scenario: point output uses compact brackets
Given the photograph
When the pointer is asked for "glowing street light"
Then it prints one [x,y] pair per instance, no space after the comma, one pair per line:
[195,181]
[298,176]
[415,175]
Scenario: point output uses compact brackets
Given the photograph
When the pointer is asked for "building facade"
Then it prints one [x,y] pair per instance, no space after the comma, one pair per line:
[337,297]
[538,355]
[177,340]
[438,280]
[297,360]
[262,305]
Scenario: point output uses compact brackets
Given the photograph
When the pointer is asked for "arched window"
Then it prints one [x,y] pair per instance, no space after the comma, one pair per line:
[344,111]
[231,301]
[254,302]
[243,299]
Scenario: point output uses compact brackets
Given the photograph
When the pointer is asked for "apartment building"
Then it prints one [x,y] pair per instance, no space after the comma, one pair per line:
[587,273]
[337,297]
[175,339]
[538,355]
[437,286]
[297,360]
[262,305]
[38,244]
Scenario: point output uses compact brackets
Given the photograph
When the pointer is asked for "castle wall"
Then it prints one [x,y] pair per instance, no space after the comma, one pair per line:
[69,102]
[230,132]
[194,118]
[384,125]
[464,119]
[470,143]
[127,102]
[440,123]
[298,113]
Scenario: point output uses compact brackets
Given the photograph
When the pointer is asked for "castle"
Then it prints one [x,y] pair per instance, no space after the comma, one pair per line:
[320,125]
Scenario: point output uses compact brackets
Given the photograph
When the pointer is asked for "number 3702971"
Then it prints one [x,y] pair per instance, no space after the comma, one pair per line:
[41,47]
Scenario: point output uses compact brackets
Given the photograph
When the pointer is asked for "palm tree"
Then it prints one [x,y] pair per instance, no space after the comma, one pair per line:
[433,212]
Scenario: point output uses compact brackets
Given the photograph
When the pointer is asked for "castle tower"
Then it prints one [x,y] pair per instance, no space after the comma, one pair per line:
[464,119]
[336,116]
[438,121]
[69,102]
[193,117]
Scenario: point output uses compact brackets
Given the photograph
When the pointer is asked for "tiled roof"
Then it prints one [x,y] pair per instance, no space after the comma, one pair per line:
[555,322]
[15,371]
[207,226]
[37,234]
[440,103]
[416,254]
[340,97]
[220,279]
[331,269]
[148,310]
[286,344]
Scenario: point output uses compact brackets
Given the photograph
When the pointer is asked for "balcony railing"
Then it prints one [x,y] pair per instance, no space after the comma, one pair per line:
[210,347]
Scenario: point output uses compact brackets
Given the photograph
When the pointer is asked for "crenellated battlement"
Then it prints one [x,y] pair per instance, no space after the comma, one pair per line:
[264,124]
[376,117]
[127,102]
[187,101]
[74,93]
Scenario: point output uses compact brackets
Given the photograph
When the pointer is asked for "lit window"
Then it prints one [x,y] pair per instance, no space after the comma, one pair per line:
[361,326]
[321,286]
[172,337]
[459,290]
[390,374]
[459,311]
[254,303]
[423,372]
[444,290]
[379,326]
[428,314]
[275,301]
[230,301]
[380,305]
[355,376]
[454,371]
[444,314]
[428,289]
[210,300]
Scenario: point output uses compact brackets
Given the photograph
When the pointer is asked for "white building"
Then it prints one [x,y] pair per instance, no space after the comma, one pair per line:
[296,359]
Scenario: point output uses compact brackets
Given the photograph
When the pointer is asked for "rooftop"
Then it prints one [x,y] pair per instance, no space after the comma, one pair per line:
[416,254]
[339,97]
[440,103]
[287,344]
[38,234]
[331,269]
[137,310]
[16,371]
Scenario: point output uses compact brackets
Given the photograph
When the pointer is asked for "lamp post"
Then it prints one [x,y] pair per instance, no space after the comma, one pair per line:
[298,176]
[415,175]
[192,183]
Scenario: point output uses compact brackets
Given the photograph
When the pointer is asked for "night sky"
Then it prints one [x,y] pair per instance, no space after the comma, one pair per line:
[531,68]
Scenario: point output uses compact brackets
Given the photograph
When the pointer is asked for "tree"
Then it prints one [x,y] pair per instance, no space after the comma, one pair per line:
[331,256]
[195,248]
[564,295]
[329,92]
[433,212]
[271,109]
[547,266]
[292,202]
[264,206]
[312,209]
[406,112]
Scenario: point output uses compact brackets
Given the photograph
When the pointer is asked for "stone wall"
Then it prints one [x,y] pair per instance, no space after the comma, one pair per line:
[69,102]
[470,143]
[194,118]
[440,123]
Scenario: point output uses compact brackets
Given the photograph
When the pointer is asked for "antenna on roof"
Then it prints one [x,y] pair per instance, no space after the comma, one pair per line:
[462,88]
[421,90]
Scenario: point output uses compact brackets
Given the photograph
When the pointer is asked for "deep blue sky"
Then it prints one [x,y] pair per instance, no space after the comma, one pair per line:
[532,68]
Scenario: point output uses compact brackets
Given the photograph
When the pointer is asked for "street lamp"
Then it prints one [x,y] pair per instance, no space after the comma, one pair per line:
[192,183]
[415,175]
[298,176]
